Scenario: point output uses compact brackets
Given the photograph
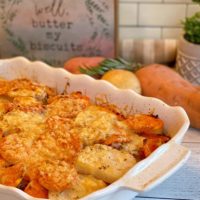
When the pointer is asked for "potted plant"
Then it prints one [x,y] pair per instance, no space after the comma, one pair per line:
[188,55]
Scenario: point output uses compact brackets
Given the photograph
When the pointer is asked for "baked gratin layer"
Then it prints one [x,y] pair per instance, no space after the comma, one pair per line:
[63,146]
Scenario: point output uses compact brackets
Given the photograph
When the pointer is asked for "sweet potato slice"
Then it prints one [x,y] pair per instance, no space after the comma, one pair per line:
[11,176]
[36,190]
[164,83]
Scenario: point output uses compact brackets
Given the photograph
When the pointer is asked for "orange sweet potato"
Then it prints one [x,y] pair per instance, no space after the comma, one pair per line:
[73,65]
[152,143]
[166,84]
[11,176]
[36,190]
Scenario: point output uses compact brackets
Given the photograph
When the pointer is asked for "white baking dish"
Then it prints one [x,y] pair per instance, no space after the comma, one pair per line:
[144,175]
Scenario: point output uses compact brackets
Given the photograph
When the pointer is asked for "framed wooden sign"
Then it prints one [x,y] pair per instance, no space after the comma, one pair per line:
[56,30]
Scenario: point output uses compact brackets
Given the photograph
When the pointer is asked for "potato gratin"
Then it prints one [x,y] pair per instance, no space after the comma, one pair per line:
[64,146]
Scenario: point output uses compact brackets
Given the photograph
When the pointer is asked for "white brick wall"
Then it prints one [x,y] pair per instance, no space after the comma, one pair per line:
[140,19]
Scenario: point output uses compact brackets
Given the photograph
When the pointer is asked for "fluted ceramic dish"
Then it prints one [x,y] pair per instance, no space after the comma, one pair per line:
[147,173]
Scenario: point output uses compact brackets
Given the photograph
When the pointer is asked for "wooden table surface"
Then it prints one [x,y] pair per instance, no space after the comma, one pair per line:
[185,183]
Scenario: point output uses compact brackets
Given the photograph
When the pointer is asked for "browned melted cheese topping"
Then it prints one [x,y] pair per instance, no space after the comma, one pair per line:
[64,146]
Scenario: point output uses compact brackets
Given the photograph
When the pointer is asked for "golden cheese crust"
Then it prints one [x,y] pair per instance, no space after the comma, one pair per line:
[67,105]
[65,145]
[99,125]
[56,175]
[19,129]
[25,87]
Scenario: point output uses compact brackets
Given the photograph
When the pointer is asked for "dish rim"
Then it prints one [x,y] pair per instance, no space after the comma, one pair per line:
[140,165]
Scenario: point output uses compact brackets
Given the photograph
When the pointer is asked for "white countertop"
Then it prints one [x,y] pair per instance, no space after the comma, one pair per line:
[185,183]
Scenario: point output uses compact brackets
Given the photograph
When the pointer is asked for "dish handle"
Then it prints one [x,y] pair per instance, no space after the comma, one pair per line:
[161,168]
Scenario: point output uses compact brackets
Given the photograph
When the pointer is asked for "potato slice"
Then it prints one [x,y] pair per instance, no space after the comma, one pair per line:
[104,162]
[85,185]
[97,125]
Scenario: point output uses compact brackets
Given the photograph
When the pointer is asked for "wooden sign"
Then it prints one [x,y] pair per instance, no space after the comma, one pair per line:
[55,30]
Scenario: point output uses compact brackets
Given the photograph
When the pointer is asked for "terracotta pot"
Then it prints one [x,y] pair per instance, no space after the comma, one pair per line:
[188,61]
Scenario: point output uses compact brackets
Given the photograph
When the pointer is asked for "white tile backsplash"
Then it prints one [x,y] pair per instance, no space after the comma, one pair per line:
[153,18]
[161,14]
[192,9]
[128,14]
[177,1]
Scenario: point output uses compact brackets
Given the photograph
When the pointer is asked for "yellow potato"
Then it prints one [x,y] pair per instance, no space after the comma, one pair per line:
[104,162]
[123,79]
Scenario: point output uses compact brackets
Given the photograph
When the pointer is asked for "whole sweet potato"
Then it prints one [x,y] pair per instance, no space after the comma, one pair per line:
[73,64]
[164,83]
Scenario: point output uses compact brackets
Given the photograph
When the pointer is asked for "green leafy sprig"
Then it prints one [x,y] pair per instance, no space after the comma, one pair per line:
[191,26]
[109,64]
[17,42]
[196,1]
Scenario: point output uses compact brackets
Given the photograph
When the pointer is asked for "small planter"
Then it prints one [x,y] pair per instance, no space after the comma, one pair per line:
[188,61]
